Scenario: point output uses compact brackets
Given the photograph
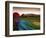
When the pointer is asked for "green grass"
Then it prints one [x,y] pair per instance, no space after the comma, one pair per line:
[35,20]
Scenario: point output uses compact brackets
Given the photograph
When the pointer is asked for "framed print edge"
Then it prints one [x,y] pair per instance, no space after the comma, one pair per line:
[7,18]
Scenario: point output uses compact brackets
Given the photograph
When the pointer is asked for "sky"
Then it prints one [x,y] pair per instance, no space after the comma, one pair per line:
[27,10]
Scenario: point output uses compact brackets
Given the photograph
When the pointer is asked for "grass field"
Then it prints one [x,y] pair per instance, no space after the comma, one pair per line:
[34,21]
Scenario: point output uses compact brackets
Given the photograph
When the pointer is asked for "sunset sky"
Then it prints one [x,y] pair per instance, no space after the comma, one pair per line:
[27,10]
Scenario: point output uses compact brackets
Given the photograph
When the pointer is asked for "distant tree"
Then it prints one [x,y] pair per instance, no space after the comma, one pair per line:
[22,15]
[15,14]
